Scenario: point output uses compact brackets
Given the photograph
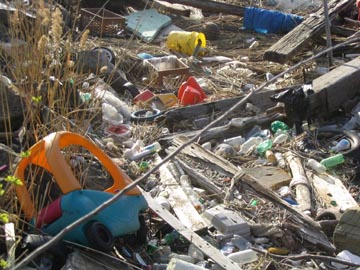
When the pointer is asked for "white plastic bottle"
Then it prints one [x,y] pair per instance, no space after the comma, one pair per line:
[243,256]
[235,142]
[250,144]
[177,264]
[147,150]
[281,138]
[316,166]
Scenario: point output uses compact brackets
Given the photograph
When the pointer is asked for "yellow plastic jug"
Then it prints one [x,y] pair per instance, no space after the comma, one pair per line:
[186,42]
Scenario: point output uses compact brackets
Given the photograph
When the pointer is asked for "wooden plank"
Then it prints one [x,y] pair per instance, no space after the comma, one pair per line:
[330,189]
[269,176]
[333,89]
[234,128]
[260,99]
[180,202]
[165,7]
[212,6]
[209,250]
[295,40]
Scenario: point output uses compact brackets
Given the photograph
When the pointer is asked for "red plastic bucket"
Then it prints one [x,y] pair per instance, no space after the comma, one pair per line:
[190,92]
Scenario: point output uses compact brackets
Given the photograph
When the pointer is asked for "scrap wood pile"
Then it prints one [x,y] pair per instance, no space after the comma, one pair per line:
[271,183]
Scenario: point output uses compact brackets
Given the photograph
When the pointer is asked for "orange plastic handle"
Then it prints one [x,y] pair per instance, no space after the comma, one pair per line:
[47,154]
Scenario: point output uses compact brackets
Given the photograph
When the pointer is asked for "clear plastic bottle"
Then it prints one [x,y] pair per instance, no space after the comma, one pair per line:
[228,248]
[333,161]
[240,242]
[235,142]
[195,253]
[146,151]
[316,166]
[189,191]
[250,144]
[177,264]
[342,145]
[281,138]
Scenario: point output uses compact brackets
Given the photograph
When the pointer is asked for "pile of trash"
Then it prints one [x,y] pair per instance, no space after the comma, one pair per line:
[163,154]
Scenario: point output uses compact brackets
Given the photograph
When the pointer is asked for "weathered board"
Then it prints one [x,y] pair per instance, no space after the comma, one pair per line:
[333,89]
[295,40]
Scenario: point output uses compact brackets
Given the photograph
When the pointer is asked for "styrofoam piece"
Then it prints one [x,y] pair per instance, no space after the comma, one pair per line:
[227,221]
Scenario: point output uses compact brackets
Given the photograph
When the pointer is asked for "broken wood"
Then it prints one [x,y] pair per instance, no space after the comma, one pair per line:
[300,182]
[295,40]
[235,127]
[202,181]
[212,6]
[209,250]
[310,230]
[180,202]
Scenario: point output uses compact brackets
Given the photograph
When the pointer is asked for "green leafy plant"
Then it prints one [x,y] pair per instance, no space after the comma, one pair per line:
[13,180]
[3,264]
[4,218]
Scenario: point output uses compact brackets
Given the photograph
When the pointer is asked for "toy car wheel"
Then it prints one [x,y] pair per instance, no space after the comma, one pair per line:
[145,115]
[99,237]
[109,53]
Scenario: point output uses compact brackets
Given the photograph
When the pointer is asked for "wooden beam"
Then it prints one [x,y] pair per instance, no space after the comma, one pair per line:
[209,250]
[333,89]
[295,40]
[212,6]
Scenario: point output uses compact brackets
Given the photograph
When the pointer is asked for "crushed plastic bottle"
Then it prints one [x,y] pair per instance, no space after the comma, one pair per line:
[276,125]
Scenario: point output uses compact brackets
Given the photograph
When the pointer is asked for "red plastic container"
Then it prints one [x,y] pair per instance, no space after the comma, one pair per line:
[190,92]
